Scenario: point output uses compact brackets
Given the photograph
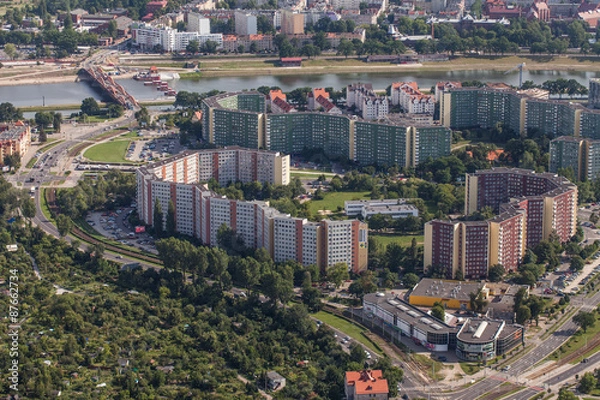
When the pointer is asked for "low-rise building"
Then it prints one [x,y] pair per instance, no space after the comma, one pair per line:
[366,385]
[483,339]
[451,294]
[396,208]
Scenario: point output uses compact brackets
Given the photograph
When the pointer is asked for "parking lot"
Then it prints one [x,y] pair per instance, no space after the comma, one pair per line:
[115,225]
[153,146]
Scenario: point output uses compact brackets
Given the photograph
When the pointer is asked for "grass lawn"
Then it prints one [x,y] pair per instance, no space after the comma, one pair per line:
[108,134]
[354,331]
[333,200]
[44,205]
[470,368]
[112,152]
[402,240]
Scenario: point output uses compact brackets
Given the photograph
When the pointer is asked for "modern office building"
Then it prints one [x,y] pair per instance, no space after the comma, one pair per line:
[240,119]
[529,206]
[474,339]
[200,213]
[483,339]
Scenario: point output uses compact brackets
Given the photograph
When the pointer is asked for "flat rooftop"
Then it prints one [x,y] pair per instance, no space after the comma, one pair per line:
[408,313]
[446,289]
[477,330]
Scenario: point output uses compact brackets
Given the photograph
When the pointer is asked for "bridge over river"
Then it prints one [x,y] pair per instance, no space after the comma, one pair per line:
[114,90]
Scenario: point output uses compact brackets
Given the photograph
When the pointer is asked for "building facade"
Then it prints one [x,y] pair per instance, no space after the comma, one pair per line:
[594,93]
[147,37]
[529,206]
[200,213]
[582,155]
[245,24]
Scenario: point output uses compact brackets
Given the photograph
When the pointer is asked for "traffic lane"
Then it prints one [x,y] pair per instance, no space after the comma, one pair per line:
[522,395]
[577,369]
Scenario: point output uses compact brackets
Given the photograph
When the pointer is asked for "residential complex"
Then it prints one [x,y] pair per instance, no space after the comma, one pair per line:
[240,119]
[580,154]
[473,339]
[363,98]
[530,208]
[519,111]
[15,139]
[200,213]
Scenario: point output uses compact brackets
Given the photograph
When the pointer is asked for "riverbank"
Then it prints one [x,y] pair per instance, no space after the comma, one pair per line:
[214,68]
[256,66]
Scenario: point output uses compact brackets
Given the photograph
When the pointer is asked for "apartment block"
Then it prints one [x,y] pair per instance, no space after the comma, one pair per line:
[594,93]
[245,23]
[198,23]
[521,111]
[240,119]
[408,96]
[15,139]
[568,152]
[292,23]
[200,212]
[529,206]
[147,37]
[363,98]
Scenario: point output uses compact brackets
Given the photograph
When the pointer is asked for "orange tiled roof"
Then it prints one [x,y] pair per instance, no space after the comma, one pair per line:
[367,382]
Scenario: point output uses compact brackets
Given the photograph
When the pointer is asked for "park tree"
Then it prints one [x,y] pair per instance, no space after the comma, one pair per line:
[115,110]
[338,273]
[438,311]
[143,117]
[111,30]
[345,48]
[157,218]
[311,297]
[171,225]
[89,106]
[566,394]
[10,50]
[496,273]
[28,208]
[9,113]
[363,285]
[43,119]
[193,47]
[584,320]
[56,121]
[409,280]
[577,263]
[523,314]
[64,224]
[587,383]
[12,160]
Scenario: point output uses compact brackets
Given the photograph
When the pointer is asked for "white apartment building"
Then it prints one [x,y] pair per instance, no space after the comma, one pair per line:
[198,23]
[245,23]
[147,37]
[374,107]
[200,212]
[411,99]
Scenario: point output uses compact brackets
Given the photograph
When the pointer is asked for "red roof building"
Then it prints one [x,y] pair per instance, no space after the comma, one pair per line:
[291,61]
[367,384]
[153,6]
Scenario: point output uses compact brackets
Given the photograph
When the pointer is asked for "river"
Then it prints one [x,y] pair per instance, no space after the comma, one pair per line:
[74,93]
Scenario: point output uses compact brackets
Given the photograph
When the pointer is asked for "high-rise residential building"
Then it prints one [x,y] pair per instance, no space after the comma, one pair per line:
[200,212]
[582,155]
[245,23]
[529,206]
[370,105]
[594,93]
[198,23]
[240,119]
[519,111]
[568,152]
[292,23]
